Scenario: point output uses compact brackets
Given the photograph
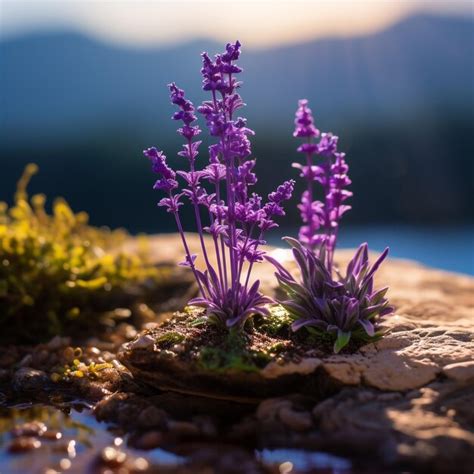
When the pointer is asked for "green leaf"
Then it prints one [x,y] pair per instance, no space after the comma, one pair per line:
[342,340]
[199,322]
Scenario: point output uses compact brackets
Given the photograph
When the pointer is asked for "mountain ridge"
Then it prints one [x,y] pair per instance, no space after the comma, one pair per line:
[53,83]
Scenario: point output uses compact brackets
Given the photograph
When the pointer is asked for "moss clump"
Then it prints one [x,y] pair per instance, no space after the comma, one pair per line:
[232,354]
[77,369]
[56,271]
[277,323]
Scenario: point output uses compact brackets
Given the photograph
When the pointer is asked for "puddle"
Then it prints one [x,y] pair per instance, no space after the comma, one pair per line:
[296,460]
[75,442]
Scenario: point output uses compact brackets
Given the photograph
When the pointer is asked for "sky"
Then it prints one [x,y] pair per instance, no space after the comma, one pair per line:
[258,23]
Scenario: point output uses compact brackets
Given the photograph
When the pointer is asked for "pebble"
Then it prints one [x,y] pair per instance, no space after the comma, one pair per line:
[93,351]
[96,391]
[52,435]
[152,417]
[24,444]
[26,361]
[4,375]
[183,428]
[28,379]
[295,420]
[35,428]
[143,342]
[270,407]
[206,426]
[58,342]
[148,440]
[112,457]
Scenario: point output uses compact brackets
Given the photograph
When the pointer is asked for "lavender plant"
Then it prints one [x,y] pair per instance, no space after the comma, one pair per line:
[234,219]
[345,306]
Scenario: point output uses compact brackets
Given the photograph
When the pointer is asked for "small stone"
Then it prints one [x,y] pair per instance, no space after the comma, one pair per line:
[24,444]
[295,420]
[93,351]
[95,391]
[112,457]
[268,409]
[206,425]
[183,428]
[389,397]
[52,435]
[40,358]
[279,368]
[152,417]
[145,341]
[140,464]
[26,361]
[57,342]
[35,428]
[149,440]
[4,375]
[460,371]
[68,354]
[27,379]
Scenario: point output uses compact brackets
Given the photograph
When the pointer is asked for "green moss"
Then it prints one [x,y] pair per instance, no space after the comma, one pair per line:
[233,354]
[170,338]
[277,323]
[56,270]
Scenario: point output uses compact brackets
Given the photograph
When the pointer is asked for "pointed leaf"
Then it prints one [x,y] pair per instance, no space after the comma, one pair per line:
[342,340]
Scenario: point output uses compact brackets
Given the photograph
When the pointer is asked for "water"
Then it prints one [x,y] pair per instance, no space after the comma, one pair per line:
[82,439]
[447,248]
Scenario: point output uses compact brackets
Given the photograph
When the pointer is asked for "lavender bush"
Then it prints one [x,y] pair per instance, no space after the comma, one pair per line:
[234,219]
[347,305]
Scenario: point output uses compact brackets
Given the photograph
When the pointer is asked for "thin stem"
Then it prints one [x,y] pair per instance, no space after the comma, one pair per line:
[249,271]
[197,213]
[309,162]
[188,253]
[221,238]
[327,217]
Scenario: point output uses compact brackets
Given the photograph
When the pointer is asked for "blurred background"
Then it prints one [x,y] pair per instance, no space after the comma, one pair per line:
[83,92]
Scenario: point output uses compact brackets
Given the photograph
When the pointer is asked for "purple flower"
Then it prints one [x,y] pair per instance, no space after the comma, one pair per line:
[167,181]
[304,123]
[185,114]
[320,217]
[219,191]
[347,307]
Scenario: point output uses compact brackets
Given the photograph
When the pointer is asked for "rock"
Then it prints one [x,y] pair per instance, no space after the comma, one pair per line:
[24,444]
[306,366]
[27,379]
[143,342]
[34,428]
[406,399]
[460,372]
[269,409]
[295,420]
[148,440]
[152,417]
[183,428]
[112,457]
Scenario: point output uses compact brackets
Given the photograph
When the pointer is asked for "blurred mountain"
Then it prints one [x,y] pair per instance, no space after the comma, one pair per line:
[58,82]
[401,100]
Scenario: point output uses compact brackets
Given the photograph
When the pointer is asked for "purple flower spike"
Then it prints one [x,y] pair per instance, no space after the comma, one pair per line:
[320,217]
[304,121]
[237,219]
[347,307]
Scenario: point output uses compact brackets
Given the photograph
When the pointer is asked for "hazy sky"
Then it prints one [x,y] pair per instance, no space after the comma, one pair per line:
[257,23]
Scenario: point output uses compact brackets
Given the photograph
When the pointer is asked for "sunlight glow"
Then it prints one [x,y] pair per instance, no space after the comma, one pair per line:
[258,23]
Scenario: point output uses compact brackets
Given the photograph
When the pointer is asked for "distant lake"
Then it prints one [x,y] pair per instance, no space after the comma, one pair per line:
[447,248]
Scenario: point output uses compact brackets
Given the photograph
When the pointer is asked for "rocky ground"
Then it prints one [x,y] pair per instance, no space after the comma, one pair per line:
[403,403]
